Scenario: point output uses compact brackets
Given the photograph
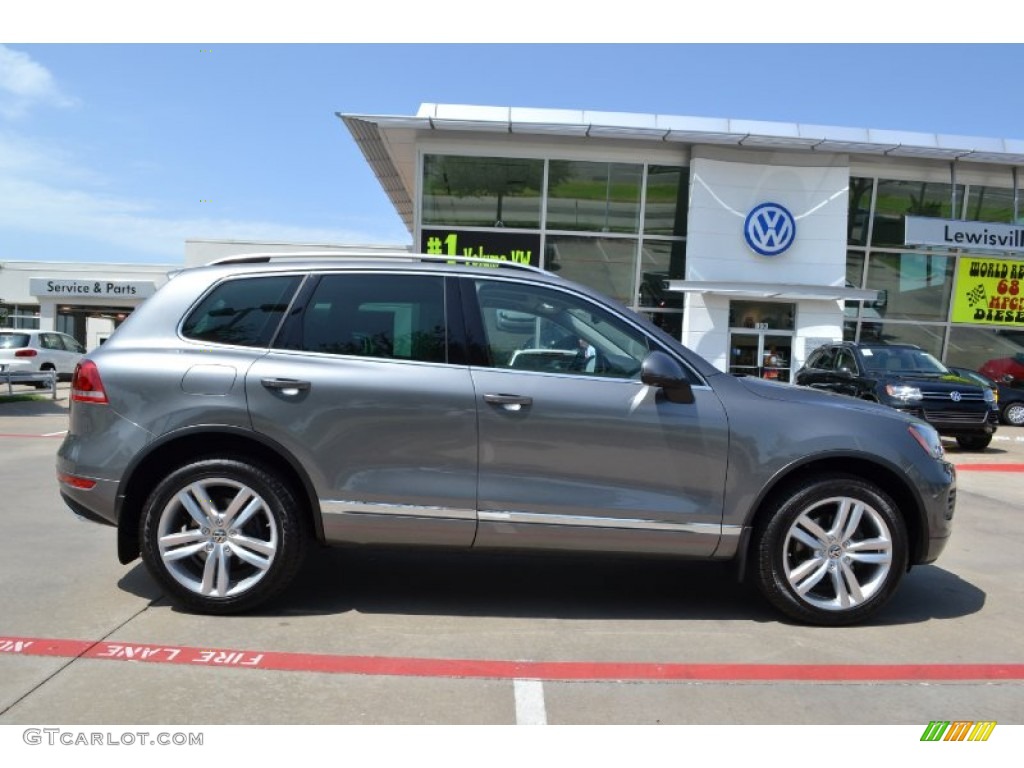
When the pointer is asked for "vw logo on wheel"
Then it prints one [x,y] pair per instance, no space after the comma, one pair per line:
[769,229]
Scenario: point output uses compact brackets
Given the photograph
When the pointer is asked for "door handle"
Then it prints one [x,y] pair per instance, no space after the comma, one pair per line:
[509,402]
[290,387]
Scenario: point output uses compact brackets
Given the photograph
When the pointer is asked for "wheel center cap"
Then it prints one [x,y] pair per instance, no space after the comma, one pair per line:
[220,535]
[835,551]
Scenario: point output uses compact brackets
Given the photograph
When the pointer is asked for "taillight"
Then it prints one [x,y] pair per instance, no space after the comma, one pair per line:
[86,385]
[26,353]
[85,483]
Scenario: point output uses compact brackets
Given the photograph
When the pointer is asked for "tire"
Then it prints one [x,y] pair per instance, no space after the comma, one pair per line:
[196,544]
[832,551]
[974,442]
[1013,414]
[42,384]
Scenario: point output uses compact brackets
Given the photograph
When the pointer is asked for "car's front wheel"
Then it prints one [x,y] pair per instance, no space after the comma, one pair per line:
[1013,414]
[831,551]
[222,535]
[974,442]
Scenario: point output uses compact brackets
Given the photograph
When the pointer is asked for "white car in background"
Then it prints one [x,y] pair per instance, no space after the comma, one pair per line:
[27,351]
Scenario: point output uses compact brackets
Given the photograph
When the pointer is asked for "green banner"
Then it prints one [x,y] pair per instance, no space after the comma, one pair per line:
[989,292]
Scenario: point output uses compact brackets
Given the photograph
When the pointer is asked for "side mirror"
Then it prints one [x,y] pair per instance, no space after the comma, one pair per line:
[660,370]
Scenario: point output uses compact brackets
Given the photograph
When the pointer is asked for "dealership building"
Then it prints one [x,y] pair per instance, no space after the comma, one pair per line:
[746,240]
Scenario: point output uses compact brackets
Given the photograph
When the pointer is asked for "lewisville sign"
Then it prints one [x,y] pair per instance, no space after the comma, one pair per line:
[950,233]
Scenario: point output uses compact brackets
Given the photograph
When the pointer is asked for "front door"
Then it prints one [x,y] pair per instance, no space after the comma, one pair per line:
[577,453]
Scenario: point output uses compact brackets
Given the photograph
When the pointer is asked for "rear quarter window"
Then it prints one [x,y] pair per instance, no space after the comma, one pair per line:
[244,311]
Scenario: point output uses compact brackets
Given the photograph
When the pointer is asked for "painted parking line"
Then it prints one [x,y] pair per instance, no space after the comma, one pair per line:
[499,669]
[530,707]
[16,434]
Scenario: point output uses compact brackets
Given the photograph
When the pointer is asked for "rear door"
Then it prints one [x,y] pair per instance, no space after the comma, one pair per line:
[365,387]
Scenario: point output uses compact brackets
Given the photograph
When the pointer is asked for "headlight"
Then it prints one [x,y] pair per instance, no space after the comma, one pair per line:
[903,392]
[928,439]
[991,396]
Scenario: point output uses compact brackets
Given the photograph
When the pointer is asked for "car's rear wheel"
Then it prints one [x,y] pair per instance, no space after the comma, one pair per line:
[222,535]
[974,442]
[832,551]
[46,368]
[1013,414]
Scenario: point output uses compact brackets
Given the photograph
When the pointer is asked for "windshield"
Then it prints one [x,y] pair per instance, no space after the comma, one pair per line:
[902,360]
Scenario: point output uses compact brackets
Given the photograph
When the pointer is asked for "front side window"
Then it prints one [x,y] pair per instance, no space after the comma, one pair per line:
[398,317]
[245,311]
[530,328]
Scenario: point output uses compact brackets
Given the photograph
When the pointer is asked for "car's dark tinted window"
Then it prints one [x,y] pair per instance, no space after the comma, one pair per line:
[13,340]
[821,358]
[245,312]
[846,361]
[538,329]
[388,316]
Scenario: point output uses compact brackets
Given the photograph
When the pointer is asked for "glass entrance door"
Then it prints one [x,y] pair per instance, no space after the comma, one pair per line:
[765,354]
[761,339]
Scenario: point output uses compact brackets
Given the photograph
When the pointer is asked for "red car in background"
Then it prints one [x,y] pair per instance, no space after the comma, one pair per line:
[1004,369]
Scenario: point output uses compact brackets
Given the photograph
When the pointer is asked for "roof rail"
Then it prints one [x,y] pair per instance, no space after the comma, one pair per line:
[266,258]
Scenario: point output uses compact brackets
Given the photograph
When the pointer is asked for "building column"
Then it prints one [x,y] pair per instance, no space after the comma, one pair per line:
[47,314]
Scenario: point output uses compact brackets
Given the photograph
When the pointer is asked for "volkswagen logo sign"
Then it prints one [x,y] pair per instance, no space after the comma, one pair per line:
[769,229]
[954,396]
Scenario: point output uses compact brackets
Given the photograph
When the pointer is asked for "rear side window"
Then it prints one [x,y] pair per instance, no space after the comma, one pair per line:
[13,340]
[387,316]
[245,312]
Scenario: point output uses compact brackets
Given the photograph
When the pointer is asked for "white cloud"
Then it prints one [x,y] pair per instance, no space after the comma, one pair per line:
[133,227]
[24,83]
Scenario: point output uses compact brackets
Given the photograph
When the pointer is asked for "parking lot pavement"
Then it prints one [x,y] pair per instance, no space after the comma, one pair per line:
[386,637]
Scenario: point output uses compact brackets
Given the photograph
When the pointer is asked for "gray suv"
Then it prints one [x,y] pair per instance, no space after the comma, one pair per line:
[253,408]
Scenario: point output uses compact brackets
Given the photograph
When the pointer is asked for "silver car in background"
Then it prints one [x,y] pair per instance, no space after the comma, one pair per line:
[252,408]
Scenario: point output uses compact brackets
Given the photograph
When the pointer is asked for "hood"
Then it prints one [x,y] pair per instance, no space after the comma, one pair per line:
[771,390]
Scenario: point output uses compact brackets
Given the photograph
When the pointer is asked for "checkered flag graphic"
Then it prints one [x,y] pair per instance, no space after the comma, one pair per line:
[976,295]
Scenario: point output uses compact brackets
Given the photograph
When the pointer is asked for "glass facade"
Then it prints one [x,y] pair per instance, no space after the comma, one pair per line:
[621,228]
[19,316]
[921,287]
[617,227]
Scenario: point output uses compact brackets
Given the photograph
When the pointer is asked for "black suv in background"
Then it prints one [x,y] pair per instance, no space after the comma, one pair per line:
[909,379]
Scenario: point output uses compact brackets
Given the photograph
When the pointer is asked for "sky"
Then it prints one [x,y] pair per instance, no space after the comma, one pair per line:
[118,151]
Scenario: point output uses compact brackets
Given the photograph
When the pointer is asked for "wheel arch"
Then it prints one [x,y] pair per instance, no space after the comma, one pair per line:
[180,448]
[888,479]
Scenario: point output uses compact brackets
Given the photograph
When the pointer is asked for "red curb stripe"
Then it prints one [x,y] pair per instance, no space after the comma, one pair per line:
[990,467]
[504,670]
